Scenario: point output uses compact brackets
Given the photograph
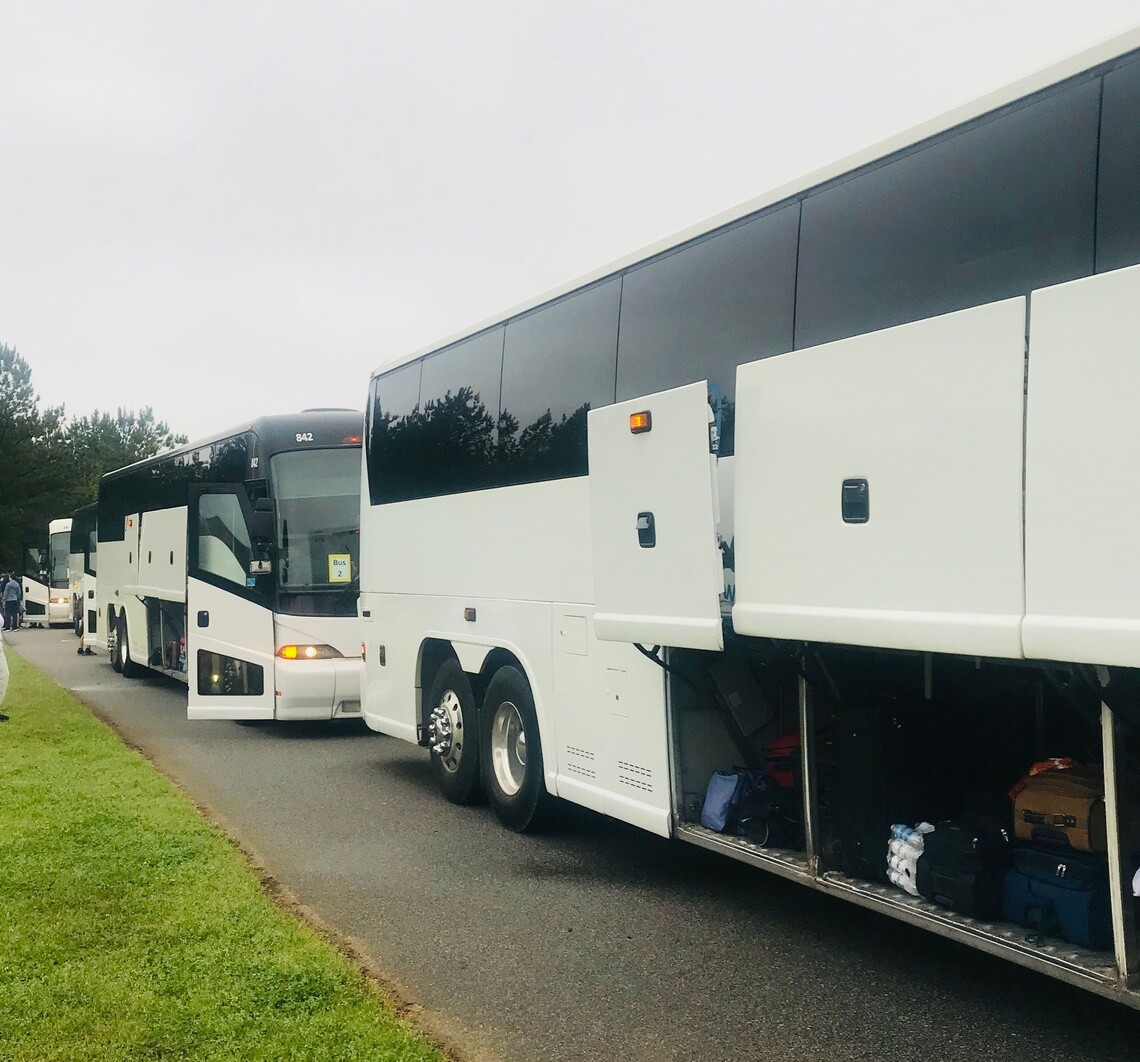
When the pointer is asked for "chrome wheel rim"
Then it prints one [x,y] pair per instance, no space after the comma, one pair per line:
[445,731]
[508,748]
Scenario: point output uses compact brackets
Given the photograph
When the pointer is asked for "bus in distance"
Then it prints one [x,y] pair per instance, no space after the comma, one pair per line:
[834,487]
[231,564]
[81,575]
[60,606]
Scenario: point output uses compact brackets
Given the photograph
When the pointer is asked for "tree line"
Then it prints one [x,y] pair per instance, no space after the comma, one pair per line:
[50,464]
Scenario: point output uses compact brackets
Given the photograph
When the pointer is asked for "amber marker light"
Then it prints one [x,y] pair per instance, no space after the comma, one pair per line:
[640,422]
[308,652]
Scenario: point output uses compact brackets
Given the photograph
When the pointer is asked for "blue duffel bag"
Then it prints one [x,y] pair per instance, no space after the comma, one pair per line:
[1061,893]
[728,793]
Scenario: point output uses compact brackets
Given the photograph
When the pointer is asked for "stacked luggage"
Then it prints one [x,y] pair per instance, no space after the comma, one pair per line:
[1059,881]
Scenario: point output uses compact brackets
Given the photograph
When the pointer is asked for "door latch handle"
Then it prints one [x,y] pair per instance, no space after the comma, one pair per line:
[203,618]
[646,531]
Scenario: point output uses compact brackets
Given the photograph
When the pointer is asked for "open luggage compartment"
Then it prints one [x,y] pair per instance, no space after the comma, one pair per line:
[898,737]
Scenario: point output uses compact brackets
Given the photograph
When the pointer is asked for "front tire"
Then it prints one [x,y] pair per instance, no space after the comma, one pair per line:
[127,666]
[453,731]
[512,753]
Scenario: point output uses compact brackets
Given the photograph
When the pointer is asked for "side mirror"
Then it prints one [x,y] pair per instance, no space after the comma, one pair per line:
[263,519]
[261,525]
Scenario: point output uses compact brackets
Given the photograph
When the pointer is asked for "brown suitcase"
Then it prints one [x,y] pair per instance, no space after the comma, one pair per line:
[1063,807]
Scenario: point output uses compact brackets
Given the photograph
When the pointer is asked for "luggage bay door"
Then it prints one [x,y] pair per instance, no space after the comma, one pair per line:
[658,569]
[229,619]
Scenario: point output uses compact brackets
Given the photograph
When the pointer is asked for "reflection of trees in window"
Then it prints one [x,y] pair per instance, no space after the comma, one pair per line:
[230,460]
[454,444]
[544,449]
[445,447]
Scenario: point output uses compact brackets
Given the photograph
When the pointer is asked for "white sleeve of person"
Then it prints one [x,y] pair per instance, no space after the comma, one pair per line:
[3,670]
[903,852]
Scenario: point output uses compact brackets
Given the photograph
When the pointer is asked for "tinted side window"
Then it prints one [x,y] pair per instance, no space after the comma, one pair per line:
[445,444]
[229,462]
[393,401]
[459,408]
[1118,206]
[989,213]
[702,311]
[558,364]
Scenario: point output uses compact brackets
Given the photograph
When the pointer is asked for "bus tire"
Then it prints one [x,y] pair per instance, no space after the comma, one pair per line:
[113,638]
[512,753]
[127,666]
[455,766]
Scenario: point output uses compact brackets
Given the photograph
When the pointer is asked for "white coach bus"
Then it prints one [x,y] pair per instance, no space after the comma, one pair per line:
[47,594]
[81,575]
[861,450]
[231,564]
[59,585]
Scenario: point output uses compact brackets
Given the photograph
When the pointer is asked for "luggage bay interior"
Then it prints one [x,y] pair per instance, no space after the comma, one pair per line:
[895,737]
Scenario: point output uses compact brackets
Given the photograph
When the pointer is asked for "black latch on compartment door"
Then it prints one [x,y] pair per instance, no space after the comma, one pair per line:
[646,531]
[856,501]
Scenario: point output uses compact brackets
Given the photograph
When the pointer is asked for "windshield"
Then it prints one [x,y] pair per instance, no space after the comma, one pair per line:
[318,518]
[60,548]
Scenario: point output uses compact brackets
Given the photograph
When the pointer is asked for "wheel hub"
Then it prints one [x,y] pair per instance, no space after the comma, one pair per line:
[508,748]
[445,731]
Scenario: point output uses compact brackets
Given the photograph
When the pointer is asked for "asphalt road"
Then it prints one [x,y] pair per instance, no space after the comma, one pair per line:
[593,941]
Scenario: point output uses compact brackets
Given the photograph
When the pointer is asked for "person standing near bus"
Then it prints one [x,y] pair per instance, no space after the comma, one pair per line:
[11,595]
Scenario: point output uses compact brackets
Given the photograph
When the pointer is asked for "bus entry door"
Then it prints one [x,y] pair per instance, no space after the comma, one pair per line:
[229,621]
[658,568]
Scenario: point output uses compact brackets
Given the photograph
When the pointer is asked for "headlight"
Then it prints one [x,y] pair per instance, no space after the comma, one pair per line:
[308,652]
[59,600]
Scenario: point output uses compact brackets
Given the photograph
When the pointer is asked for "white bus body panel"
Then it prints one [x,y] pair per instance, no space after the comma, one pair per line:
[667,594]
[436,557]
[236,628]
[930,414]
[612,735]
[1082,492]
[318,689]
[89,590]
[37,593]
[161,570]
[118,570]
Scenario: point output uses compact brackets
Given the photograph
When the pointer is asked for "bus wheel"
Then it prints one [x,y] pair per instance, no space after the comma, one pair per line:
[113,648]
[512,754]
[123,651]
[454,758]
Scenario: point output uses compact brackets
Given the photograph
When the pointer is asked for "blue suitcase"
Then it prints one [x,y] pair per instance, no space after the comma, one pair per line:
[1064,893]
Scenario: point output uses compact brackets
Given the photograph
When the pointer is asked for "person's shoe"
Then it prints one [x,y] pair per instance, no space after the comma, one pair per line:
[3,718]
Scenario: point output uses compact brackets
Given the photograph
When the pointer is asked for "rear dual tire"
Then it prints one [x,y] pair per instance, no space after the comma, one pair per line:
[125,665]
[511,753]
[453,729]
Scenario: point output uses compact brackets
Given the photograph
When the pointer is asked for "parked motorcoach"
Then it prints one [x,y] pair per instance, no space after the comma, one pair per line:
[833,489]
[231,565]
[59,611]
[81,568]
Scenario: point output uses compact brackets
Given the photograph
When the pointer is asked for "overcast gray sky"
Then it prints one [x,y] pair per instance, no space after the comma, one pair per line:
[228,209]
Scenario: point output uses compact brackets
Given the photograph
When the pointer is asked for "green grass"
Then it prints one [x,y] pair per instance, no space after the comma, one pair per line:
[130,928]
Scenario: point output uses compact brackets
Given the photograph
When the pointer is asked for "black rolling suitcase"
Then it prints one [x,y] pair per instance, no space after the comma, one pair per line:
[882,765]
[963,866]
